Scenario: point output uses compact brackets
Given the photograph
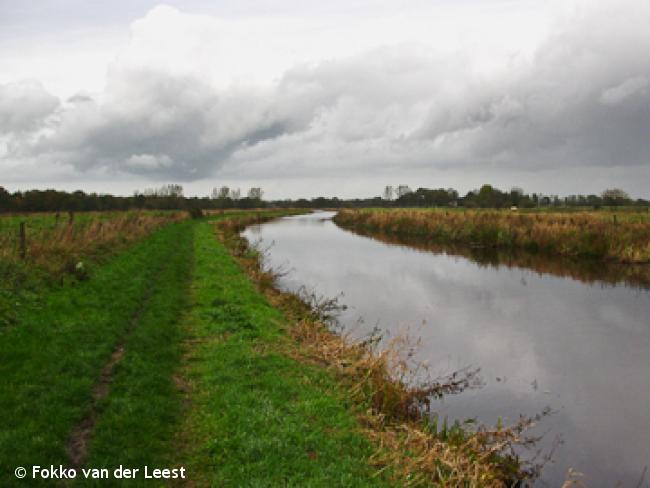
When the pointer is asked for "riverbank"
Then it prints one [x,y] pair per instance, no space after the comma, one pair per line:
[606,236]
[393,409]
[178,352]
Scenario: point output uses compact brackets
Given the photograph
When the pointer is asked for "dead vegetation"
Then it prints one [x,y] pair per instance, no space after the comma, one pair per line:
[599,235]
[60,244]
[392,395]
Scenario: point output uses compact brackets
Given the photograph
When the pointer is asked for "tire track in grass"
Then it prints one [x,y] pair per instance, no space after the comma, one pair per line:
[78,444]
[53,357]
[139,417]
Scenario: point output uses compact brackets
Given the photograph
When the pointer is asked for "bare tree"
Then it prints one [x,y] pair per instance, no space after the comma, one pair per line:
[403,190]
[255,193]
[388,193]
[224,191]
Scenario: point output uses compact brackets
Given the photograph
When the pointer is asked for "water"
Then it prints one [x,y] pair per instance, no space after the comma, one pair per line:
[580,345]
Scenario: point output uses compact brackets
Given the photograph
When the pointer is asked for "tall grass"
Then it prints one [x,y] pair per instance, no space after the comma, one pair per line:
[599,235]
[60,244]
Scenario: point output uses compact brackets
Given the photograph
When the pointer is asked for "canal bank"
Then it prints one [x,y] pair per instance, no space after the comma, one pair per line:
[532,333]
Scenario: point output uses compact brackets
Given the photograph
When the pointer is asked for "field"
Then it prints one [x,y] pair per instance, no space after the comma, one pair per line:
[57,243]
[169,348]
[622,237]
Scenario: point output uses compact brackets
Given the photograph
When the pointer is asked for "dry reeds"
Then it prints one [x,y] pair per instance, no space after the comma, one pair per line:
[579,234]
[61,247]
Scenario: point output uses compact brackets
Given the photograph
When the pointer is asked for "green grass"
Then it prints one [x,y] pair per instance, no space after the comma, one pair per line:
[259,418]
[143,407]
[203,382]
[53,352]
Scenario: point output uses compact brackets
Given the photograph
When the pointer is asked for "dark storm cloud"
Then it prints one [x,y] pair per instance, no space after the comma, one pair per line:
[159,124]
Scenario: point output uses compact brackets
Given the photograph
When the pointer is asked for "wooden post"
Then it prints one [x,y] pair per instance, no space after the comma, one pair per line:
[23,242]
[70,217]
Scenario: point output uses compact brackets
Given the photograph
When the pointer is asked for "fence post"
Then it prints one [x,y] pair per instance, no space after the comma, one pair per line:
[70,217]
[23,241]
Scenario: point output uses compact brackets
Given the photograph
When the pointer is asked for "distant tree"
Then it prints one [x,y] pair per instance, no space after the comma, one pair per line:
[403,190]
[223,192]
[388,193]
[235,194]
[615,196]
[170,190]
[487,196]
[5,199]
[255,193]
[516,195]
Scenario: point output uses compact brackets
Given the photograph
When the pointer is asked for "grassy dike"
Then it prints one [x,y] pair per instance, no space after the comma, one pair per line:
[258,417]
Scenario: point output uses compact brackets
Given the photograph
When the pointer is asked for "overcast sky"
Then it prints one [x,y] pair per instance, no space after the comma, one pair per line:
[341,98]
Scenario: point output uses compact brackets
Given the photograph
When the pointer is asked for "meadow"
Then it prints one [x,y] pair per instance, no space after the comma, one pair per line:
[622,237]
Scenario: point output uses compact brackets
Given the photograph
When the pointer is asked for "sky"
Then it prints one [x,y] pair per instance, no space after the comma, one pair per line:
[306,98]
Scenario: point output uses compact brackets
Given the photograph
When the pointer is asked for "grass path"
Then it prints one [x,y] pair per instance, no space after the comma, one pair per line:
[259,418]
[188,356]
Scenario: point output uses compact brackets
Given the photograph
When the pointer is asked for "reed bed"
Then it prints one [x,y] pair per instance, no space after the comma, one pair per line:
[598,235]
[392,398]
[60,244]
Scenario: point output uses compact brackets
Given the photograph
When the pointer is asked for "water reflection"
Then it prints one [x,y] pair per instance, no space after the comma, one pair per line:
[540,339]
[585,270]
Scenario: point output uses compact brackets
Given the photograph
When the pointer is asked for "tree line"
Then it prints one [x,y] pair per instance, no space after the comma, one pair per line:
[171,197]
[490,197]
